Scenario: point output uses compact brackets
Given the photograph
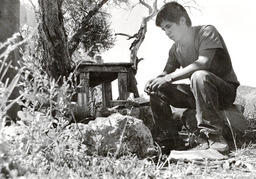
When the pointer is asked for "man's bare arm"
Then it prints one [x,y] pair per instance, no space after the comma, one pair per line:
[203,63]
[162,74]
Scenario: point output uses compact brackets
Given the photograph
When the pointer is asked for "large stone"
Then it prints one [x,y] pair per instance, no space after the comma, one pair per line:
[246,96]
[233,117]
[116,134]
[138,108]
[145,114]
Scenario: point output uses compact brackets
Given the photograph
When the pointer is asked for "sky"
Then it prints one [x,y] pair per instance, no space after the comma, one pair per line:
[234,19]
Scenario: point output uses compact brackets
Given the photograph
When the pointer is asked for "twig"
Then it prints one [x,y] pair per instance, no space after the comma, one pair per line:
[159,155]
[11,48]
[9,40]
[126,35]
[187,4]
[121,139]
[6,69]
[33,5]
[232,132]
[146,5]
[73,116]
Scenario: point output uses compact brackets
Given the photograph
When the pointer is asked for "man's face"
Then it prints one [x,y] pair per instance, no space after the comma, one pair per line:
[173,31]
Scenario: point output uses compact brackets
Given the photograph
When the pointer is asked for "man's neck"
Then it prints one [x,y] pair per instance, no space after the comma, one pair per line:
[188,36]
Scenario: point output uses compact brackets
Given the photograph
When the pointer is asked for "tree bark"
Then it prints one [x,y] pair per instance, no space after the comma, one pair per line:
[56,58]
[57,50]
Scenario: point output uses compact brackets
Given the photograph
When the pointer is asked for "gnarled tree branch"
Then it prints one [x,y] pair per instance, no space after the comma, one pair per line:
[139,38]
[76,38]
[140,35]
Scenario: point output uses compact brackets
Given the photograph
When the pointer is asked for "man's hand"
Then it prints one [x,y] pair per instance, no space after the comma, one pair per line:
[147,87]
[154,84]
[157,83]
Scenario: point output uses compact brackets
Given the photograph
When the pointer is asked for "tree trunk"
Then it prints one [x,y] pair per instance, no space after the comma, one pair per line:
[56,58]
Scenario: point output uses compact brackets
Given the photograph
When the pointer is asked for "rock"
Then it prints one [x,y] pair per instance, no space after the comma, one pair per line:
[145,114]
[116,134]
[249,167]
[238,163]
[138,108]
[12,133]
[232,114]
[3,148]
[191,155]
[189,170]
[246,96]
[236,119]
[13,140]
[226,165]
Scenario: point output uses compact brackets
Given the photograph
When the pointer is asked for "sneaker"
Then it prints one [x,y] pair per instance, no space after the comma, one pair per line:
[198,141]
[218,142]
[169,144]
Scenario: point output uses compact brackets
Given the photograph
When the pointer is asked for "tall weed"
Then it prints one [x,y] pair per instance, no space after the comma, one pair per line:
[7,86]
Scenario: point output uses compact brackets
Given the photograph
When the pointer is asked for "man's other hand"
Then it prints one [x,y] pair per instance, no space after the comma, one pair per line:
[157,83]
[154,84]
[147,86]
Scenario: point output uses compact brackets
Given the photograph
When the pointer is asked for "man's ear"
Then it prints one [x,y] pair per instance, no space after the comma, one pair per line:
[182,20]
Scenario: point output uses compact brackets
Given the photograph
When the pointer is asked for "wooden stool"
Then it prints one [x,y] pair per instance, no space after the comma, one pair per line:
[94,74]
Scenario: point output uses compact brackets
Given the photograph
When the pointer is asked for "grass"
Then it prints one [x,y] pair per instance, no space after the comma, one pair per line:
[68,163]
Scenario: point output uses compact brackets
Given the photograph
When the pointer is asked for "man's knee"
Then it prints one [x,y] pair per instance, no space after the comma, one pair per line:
[161,96]
[157,99]
[200,77]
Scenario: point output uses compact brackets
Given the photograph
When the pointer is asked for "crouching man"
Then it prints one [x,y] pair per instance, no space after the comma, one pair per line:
[204,58]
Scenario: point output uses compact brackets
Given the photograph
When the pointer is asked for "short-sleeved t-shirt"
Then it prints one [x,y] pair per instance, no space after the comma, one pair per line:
[205,37]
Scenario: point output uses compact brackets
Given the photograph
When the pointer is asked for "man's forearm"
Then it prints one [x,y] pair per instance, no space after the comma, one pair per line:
[162,74]
[185,72]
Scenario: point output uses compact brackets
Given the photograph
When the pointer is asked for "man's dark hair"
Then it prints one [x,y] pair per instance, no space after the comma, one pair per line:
[172,12]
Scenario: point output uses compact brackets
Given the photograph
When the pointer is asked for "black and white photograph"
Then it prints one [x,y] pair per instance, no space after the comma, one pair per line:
[129,89]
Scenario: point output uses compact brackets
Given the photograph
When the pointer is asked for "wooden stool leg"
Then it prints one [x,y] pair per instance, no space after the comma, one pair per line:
[106,94]
[83,94]
[122,85]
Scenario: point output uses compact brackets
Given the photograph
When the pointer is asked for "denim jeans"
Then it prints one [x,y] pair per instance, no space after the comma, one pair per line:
[207,94]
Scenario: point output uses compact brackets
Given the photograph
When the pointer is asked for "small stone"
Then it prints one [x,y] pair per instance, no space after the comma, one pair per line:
[238,163]
[94,161]
[226,165]
[189,170]
[152,151]
[250,167]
